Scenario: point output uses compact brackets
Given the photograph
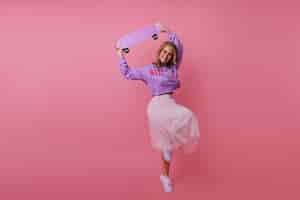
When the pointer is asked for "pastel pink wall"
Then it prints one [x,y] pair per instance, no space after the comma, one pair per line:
[73,128]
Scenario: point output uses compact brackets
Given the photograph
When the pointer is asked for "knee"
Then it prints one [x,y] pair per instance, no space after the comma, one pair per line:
[167,155]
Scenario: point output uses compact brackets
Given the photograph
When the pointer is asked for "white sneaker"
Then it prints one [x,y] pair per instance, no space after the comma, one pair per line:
[166,183]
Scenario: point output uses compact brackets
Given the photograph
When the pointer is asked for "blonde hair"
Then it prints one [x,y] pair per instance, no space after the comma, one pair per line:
[173,60]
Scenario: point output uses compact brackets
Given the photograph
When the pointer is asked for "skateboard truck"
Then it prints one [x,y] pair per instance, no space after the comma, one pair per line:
[155,36]
[126,50]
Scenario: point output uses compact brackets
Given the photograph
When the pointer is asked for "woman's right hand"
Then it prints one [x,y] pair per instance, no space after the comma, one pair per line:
[119,52]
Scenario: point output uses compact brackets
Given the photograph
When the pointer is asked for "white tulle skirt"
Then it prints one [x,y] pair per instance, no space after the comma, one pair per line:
[171,125]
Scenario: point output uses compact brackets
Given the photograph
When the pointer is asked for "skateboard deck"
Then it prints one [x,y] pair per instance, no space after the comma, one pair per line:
[138,36]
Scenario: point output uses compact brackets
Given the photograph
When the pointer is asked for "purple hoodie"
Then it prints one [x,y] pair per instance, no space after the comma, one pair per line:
[159,80]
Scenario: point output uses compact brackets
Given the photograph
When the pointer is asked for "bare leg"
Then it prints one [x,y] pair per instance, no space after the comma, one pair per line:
[164,177]
[165,166]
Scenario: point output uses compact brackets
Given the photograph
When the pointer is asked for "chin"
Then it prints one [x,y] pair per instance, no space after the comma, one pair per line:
[163,62]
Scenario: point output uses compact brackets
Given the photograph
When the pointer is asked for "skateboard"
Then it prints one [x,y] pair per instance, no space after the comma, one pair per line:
[138,36]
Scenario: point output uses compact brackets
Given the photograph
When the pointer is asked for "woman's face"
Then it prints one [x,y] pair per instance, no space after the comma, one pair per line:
[166,54]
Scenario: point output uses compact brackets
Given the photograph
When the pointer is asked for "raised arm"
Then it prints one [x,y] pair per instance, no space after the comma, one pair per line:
[128,72]
[173,37]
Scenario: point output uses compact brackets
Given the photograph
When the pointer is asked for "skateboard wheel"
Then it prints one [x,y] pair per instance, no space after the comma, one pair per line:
[155,36]
[126,50]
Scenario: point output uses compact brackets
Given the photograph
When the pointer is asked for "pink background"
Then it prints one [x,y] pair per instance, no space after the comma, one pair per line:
[73,128]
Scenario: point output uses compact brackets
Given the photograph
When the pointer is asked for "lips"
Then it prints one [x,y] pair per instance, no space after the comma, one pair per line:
[163,59]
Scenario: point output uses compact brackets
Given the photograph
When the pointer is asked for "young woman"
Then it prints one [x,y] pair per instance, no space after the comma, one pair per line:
[172,126]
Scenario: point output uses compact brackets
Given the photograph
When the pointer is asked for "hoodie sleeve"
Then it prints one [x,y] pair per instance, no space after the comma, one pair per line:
[172,37]
[131,74]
